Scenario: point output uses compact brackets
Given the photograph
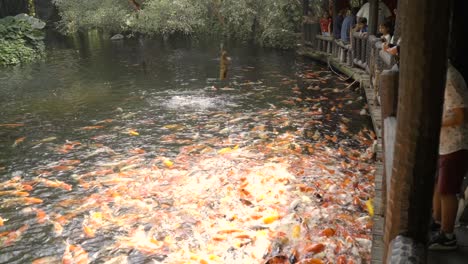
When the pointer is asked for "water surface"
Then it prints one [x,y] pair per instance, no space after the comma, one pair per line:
[121,141]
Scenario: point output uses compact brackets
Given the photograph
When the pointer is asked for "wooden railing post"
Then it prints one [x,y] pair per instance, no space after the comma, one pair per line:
[389,102]
[364,50]
[421,95]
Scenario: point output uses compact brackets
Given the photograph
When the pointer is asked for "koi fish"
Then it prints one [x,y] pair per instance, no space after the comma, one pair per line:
[41,216]
[47,260]
[133,133]
[14,193]
[91,127]
[11,125]
[67,257]
[80,256]
[22,200]
[88,231]
[370,207]
[15,235]
[58,228]
[18,141]
[62,168]
[55,184]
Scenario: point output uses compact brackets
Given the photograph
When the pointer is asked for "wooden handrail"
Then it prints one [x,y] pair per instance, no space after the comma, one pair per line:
[326,38]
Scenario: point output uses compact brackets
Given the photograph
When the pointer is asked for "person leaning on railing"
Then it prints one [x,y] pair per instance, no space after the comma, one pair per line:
[348,24]
[393,49]
[361,26]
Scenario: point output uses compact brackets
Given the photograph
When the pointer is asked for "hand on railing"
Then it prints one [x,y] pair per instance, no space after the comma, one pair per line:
[389,48]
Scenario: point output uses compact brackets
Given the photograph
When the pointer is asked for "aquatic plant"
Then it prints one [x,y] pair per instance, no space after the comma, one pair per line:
[269,23]
[21,39]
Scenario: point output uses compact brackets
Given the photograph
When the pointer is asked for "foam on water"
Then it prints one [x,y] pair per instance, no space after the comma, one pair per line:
[193,102]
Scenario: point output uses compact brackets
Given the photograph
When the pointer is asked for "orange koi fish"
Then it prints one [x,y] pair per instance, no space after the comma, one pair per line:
[88,231]
[55,184]
[18,141]
[14,193]
[46,260]
[41,216]
[67,257]
[15,235]
[80,256]
[91,127]
[11,125]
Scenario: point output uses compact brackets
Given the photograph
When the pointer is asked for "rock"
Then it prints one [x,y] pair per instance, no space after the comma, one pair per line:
[117,37]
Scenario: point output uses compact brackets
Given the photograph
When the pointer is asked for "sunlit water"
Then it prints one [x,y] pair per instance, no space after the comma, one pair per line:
[96,105]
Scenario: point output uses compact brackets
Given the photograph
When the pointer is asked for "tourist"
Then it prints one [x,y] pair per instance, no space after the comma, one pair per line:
[453,154]
[361,26]
[384,12]
[338,22]
[348,24]
[384,30]
[325,24]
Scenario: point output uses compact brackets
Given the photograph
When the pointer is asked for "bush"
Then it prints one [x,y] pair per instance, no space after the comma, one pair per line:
[21,39]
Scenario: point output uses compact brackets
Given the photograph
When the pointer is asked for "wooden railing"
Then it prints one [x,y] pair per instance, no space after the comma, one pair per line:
[324,44]
[359,43]
[311,30]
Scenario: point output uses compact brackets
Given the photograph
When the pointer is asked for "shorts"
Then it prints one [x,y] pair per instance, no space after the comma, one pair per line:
[452,170]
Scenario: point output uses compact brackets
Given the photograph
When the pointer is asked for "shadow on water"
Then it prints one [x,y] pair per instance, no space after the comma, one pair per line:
[95,106]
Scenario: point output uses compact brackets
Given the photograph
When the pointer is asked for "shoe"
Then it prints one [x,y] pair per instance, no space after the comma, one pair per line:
[440,242]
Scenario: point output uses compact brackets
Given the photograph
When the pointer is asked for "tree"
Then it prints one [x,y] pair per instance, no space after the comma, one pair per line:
[270,22]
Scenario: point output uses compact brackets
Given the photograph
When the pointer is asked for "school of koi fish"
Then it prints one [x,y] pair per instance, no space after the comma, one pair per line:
[289,183]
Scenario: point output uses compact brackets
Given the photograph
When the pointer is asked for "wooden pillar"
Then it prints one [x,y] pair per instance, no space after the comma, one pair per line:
[335,17]
[373,16]
[398,23]
[421,91]
[389,103]
[458,39]
[305,7]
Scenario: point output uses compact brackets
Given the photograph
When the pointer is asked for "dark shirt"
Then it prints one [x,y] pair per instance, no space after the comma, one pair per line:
[337,27]
[364,29]
[348,24]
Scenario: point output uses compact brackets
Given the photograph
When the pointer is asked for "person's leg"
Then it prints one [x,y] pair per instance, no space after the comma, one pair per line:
[436,205]
[449,205]
[436,202]
[452,168]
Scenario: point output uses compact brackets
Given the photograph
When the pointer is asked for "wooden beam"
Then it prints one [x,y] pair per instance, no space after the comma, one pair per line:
[373,16]
[423,68]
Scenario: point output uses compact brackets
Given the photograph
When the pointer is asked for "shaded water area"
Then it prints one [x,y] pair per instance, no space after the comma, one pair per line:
[133,152]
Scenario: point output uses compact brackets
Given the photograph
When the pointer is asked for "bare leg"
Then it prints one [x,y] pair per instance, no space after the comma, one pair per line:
[436,204]
[449,205]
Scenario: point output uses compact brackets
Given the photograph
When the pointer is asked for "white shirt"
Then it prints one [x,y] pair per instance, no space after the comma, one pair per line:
[387,37]
[384,12]
[453,139]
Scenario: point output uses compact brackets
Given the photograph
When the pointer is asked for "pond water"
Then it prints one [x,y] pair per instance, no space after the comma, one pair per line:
[133,151]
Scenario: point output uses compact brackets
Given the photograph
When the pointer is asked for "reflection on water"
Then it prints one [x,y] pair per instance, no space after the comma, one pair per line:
[132,151]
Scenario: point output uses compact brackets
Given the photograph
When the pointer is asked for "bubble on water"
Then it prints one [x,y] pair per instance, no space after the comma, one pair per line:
[194,102]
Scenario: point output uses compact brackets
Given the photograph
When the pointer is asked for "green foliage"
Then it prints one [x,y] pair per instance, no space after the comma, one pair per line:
[21,39]
[269,22]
